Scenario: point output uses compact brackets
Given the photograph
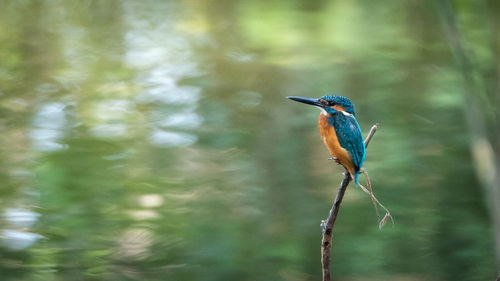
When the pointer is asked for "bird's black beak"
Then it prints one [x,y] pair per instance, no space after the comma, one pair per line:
[315,102]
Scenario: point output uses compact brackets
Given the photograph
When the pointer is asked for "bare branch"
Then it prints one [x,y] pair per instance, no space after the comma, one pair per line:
[327,226]
[370,134]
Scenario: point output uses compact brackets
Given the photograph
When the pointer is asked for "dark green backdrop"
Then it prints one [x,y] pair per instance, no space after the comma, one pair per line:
[151,140]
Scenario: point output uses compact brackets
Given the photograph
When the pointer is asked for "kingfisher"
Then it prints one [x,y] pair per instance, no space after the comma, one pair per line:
[339,131]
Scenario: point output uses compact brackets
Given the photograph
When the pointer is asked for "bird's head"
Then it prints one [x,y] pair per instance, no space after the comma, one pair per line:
[329,103]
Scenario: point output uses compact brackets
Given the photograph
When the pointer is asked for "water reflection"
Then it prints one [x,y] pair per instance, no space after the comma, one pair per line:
[168,139]
[17,236]
[162,58]
[155,141]
[111,118]
[135,243]
[48,127]
[20,217]
[18,240]
[182,120]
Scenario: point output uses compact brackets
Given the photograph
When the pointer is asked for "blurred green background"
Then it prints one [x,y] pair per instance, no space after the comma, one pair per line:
[151,140]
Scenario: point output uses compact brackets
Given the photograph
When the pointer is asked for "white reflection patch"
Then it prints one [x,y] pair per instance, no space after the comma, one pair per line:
[188,120]
[20,217]
[162,57]
[49,124]
[169,139]
[18,240]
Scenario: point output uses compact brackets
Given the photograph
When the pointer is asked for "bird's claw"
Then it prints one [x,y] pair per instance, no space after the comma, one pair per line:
[323,225]
[334,159]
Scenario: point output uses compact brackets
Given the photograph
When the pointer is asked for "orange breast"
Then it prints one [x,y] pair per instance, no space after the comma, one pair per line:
[331,142]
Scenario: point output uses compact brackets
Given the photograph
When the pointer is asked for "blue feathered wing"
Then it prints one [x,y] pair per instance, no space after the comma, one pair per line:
[349,136]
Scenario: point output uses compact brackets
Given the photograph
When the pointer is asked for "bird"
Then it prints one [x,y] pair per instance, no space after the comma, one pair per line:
[339,131]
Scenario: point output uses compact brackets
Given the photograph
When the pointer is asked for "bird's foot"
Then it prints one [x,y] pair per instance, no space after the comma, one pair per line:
[323,225]
[334,159]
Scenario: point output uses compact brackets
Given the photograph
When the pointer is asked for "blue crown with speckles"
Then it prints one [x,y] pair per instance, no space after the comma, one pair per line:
[340,100]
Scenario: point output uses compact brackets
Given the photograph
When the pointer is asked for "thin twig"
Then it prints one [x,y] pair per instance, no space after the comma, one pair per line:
[370,134]
[368,190]
[327,226]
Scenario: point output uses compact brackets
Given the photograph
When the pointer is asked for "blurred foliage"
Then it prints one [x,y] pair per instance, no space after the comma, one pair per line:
[152,140]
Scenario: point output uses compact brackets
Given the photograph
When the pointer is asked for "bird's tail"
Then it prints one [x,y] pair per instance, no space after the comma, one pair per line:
[354,173]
